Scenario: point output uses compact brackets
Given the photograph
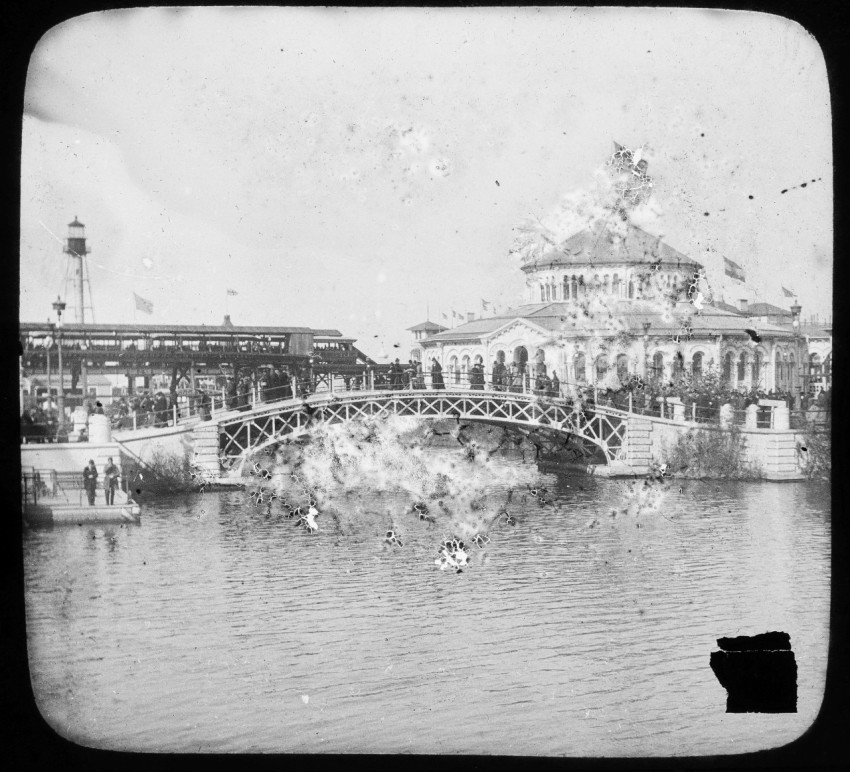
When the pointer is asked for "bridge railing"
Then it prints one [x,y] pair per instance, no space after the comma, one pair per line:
[209,405]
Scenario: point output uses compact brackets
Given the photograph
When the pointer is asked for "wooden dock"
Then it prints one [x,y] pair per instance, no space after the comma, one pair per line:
[46,501]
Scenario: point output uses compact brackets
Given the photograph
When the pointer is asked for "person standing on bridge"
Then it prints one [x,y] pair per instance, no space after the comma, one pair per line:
[90,481]
[204,405]
[437,375]
[476,376]
[555,388]
[497,375]
[161,408]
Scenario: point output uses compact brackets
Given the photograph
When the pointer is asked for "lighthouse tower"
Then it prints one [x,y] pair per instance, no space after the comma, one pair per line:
[76,249]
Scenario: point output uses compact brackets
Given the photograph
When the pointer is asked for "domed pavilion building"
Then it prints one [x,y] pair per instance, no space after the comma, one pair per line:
[613,301]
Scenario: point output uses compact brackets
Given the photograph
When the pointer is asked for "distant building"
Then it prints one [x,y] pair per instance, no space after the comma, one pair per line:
[420,332]
[598,309]
[819,346]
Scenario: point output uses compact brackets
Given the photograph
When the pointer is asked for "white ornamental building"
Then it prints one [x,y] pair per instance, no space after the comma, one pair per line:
[613,301]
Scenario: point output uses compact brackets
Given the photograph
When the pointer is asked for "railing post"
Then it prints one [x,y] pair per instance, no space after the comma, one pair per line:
[174,411]
[372,380]
[212,405]
[630,402]
[134,420]
[694,412]
[524,383]
[331,377]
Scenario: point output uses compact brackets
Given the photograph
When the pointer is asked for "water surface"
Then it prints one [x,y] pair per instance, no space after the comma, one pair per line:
[216,626]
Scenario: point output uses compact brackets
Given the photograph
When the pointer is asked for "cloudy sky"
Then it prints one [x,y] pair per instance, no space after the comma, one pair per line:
[351,168]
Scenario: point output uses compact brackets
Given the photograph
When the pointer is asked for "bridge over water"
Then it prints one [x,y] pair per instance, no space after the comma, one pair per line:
[624,442]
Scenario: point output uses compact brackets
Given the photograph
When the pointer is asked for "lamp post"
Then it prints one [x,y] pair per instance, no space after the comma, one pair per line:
[48,345]
[59,307]
[795,387]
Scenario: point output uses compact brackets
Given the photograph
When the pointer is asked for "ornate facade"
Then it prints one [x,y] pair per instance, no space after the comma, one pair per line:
[614,301]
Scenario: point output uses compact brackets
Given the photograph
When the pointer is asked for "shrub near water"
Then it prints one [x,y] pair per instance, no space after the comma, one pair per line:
[164,473]
[713,454]
[818,452]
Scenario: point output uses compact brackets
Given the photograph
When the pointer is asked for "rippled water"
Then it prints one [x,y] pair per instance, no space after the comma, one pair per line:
[215,627]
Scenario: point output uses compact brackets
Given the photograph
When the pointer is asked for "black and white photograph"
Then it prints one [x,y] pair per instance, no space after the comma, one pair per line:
[446,381]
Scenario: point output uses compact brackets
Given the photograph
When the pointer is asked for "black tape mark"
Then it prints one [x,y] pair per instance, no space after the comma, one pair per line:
[759,673]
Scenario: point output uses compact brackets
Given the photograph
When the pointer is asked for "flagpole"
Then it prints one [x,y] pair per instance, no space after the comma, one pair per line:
[226,308]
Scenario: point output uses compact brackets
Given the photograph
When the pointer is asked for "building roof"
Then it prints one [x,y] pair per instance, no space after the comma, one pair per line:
[426,326]
[727,307]
[766,309]
[473,329]
[561,317]
[600,245]
[175,329]
[816,331]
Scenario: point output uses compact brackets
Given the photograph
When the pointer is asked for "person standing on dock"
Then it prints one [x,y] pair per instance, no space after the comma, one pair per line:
[90,481]
[110,482]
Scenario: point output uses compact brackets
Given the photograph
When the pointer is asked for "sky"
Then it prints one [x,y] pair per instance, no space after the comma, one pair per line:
[358,169]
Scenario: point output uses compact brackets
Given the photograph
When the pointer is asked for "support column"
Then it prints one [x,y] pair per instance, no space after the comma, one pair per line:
[678,409]
[752,417]
[84,382]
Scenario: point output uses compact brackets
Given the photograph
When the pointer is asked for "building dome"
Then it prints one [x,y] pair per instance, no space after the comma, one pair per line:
[615,260]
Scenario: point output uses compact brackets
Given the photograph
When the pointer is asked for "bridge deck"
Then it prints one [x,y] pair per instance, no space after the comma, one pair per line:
[248,431]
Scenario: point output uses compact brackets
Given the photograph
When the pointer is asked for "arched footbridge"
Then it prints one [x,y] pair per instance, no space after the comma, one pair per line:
[235,436]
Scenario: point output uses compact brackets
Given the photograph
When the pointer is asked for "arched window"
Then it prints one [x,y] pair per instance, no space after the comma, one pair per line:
[566,287]
[657,366]
[742,366]
[696,366]
[548,292]
[607,282]
[601,366]
[574,284]
[579,368]
[792,370]
[542,293]
[727,367]
[758,363]
[453,369]
[464,369]
[596,283]
[678,365]
[615,286]
[623,368]
[631,289]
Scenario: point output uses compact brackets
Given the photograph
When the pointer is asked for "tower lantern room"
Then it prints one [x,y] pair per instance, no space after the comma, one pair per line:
[76,244]
[76,249]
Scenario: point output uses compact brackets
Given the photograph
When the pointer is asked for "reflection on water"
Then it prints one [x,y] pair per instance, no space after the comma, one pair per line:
[216,625]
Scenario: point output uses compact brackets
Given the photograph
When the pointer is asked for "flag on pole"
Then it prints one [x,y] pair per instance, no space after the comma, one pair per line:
[232,292]
[485,305]
[445,316]
[143,305]
[787,293]
[732,269]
